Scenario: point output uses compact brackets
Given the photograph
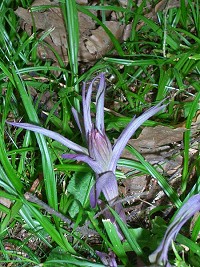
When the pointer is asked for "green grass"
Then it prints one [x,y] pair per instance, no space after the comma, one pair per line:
[159,60]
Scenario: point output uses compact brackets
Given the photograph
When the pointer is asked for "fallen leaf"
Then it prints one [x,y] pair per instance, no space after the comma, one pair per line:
[94,41]
[99,42]
[154,143]
[166,4]
[153,138]
[5,202]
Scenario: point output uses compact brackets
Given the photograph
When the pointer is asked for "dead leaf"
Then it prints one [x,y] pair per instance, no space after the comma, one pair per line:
[45,2]
[5,202]
[154,143]
[82,2]
[99,43]
[163,5]
[94,42]
[45,21]
[153,138]
[166,4]
[136,184]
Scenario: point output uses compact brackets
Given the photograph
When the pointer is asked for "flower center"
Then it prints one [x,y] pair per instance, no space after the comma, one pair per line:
[100,148]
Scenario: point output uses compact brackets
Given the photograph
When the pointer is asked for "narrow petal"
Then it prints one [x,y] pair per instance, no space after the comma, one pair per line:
[189,208]
[56,136]
[107,184]
[86,101]
[78,118]
[100,103]
[107,259]
[129,131]
[95,193]
[92,163]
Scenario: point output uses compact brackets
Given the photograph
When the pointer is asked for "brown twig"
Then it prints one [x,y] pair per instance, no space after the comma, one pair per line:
[85,230]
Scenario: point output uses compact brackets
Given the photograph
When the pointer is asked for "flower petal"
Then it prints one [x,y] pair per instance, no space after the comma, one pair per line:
[129,131]
[95,193]
[189,208]
[107,259]
[86,101]
[56,136]
[100,103]
[107,184]
[78,118]
[92,163]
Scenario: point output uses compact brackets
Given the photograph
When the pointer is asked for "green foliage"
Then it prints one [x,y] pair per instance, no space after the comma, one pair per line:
[79,186]
[58,257]
[159,60]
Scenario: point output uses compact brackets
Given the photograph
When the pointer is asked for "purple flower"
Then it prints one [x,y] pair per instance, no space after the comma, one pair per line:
[189,208]
[107,259]
[99,154]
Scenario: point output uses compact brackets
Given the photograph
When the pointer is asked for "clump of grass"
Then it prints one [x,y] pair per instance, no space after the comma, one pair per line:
[159,60]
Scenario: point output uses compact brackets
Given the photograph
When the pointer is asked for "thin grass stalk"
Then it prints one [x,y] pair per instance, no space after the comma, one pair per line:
[70,15]
[187,136]
[11,177]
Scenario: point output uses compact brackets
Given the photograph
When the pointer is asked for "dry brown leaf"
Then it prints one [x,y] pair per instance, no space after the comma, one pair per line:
[154,143]
[166,4]
[45,2]
[82,2]
[94,42]
[136,184]
[153,138]
[49,19]
[99,42]
[162,5]
[5,202]
[45,21]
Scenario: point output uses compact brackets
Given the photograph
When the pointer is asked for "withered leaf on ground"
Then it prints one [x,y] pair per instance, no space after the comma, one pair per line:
[45,21]
[152,139]
[154,143]
[161,146]
[94,41]
[167,4]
